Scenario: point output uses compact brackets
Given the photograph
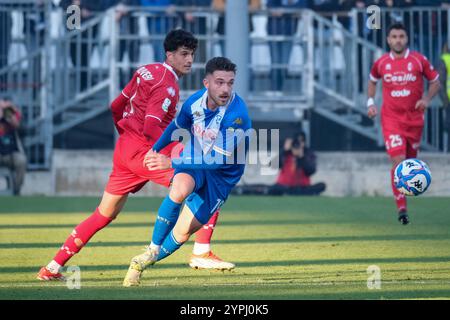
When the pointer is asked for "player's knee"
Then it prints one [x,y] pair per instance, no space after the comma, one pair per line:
[78,242]
[179,194]
[110,212]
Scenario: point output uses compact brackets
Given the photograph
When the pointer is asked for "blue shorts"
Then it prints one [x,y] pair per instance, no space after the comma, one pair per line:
[209,193]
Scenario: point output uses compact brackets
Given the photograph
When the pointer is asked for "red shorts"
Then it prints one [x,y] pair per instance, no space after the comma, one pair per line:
[400,139]
[128,172]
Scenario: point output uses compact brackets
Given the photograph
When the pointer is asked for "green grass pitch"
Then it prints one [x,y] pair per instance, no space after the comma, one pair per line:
[284,248]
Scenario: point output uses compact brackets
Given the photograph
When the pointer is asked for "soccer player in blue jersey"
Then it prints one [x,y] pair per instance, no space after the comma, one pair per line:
[216,122]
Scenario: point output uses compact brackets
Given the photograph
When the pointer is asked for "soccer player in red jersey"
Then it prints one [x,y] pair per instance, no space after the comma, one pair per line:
[401,72]
[146,106]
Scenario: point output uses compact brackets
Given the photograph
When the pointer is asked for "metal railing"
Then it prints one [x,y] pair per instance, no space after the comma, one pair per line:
[428,28]
[24,73]
[298,60]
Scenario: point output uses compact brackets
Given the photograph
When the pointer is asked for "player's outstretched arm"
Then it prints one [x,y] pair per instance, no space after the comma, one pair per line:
[154,161]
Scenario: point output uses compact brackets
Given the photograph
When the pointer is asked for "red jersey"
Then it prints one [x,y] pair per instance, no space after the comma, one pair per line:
[152,92]
[403,85]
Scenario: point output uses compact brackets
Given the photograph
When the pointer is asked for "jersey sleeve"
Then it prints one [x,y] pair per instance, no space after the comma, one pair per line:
[127,92]
[184,117]
[428,70]
[374,73]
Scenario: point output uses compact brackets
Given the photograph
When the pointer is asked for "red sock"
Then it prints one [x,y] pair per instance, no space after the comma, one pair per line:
[400,198]
[205,233]
[80,236]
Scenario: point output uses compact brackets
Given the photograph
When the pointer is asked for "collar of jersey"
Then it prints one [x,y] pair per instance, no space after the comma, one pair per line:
[205,96]
[170,69]
[404,57]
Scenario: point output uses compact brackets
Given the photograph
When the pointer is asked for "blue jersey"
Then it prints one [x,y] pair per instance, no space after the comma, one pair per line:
[218,135]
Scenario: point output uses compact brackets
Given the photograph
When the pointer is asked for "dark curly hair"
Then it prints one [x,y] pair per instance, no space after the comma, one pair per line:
[219,64]
[179,38]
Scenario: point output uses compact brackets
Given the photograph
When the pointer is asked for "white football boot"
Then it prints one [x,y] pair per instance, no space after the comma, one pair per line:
[209,260]
[138,264]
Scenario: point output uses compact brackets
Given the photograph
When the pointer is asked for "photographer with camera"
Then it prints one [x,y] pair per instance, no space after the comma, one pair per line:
[11,151]
[298,164]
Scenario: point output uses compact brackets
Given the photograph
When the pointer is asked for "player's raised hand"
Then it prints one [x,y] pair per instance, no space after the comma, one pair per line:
[422,104]
[157,161]
[372,111]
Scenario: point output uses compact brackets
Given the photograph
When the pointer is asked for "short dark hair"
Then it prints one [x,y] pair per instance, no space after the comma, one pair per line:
[396,26]
[179,38]
[219,64]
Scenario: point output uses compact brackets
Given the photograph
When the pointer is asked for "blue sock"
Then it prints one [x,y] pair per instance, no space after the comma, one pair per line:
[169,246]
[167,217]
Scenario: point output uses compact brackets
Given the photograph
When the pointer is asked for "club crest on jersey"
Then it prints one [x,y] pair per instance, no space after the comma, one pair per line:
[197,114]
[166,104]
[410,66]
[237,121]
[171,91]
[388,66]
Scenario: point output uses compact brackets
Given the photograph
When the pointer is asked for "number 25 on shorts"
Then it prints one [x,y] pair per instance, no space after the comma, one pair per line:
[394,141]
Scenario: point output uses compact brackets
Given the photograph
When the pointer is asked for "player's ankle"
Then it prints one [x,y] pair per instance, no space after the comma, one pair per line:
[54,267]
[201,248]
[154,247]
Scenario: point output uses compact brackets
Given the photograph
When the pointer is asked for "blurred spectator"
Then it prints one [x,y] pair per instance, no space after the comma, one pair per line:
[88,11]
[128,26]
[325,5]
[298,165]
[219,5]
[11,151]
[195,24]
[444,75]
[160,24]
[5,42]
[34,24]
[190,22]
[283,24]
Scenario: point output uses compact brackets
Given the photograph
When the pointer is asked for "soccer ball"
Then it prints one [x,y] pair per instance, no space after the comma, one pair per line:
[412,177]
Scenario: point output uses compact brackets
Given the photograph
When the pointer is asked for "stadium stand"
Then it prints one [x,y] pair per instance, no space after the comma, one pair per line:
[64,79]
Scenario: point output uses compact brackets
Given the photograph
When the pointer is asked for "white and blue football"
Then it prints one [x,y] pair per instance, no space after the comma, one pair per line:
[412,177]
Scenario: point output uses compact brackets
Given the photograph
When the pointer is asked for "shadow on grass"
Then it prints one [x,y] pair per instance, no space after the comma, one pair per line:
[336,239]
[144,224]
[254,264]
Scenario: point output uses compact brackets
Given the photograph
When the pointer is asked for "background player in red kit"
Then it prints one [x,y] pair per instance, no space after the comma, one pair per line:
[402,113]
[141,113]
